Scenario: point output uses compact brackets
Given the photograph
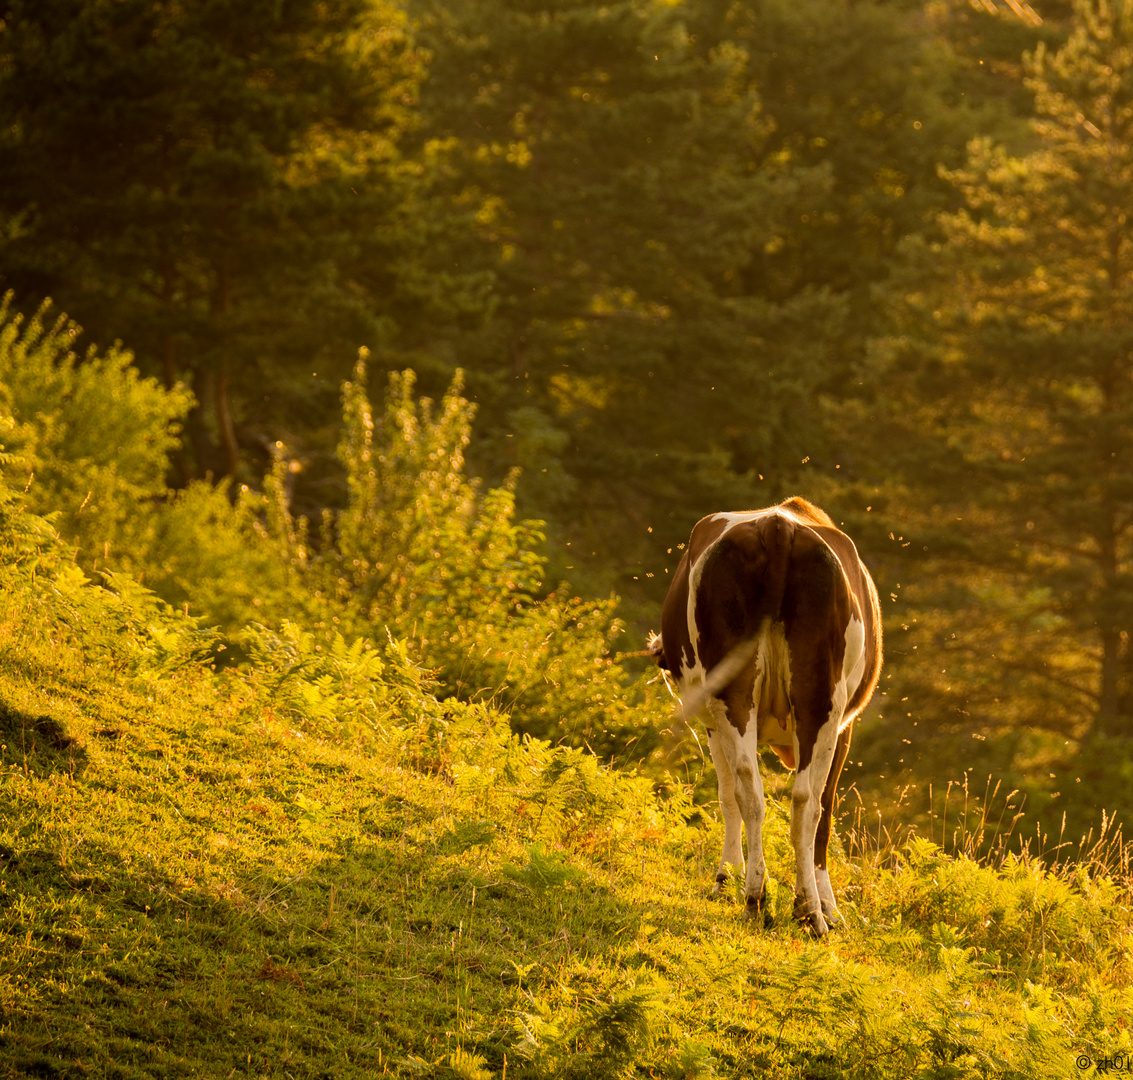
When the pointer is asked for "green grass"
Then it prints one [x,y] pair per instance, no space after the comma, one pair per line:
[305,864]
[195,881]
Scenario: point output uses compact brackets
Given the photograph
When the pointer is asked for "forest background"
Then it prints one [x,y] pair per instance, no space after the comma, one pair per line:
[646,260]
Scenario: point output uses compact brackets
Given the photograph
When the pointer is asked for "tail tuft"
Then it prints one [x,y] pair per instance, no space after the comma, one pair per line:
[721,676]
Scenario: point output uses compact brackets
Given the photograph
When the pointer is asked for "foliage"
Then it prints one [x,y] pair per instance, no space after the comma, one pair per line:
[1002,371]
[219,182]
[684,223]
[417,556]
[89,438]
[419,551]
[91,441]
[210,553]
[370,826]
[246,845]
[339,689]
[400,886]
[691,255]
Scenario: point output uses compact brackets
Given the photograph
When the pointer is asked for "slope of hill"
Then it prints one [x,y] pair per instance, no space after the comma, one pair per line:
[312,867]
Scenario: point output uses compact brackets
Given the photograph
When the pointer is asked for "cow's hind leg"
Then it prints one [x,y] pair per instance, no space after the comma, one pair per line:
[807,809]
[741,793]
[822,835]
[749,794]
[823,670]
[733,853]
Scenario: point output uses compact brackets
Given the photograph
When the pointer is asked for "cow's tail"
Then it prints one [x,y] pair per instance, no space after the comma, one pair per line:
[758,582]
[721,676]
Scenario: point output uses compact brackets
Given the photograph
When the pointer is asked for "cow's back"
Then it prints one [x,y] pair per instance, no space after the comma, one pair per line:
[786,572]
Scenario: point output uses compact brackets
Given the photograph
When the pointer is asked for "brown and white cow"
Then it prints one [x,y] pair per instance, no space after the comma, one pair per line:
[772,627]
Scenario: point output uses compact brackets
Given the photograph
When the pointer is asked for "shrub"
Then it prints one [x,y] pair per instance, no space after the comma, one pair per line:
[90,441]
[421,552]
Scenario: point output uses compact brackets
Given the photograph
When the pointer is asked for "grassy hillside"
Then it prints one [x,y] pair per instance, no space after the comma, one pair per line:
[270,843]
[301,871]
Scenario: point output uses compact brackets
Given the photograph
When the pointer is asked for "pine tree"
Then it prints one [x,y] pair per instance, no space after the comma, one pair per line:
[681,274]
[218,183]
[1031,364]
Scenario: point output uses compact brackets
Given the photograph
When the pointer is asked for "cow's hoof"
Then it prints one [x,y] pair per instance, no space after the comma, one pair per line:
[756,908]
[832,916]
[720,888]
[813,920]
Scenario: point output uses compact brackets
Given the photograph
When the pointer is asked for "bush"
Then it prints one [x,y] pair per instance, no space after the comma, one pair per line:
[90,441]
[422,553]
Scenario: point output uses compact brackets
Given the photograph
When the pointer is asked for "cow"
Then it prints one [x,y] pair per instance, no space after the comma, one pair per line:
[772,628]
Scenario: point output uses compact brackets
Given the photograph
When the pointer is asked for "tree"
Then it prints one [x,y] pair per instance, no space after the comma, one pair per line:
[683,233]
[1030,311]
[217,182]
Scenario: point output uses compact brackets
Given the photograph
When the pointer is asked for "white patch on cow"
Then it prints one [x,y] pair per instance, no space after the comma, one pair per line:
[696,695]
[733,854]
[853,663]
[694,675]
[736,517]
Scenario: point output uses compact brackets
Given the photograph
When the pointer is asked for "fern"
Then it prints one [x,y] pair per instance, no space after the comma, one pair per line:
[693,1061]
[543,870]
[469,1066]
[621,1023]
[335,687]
